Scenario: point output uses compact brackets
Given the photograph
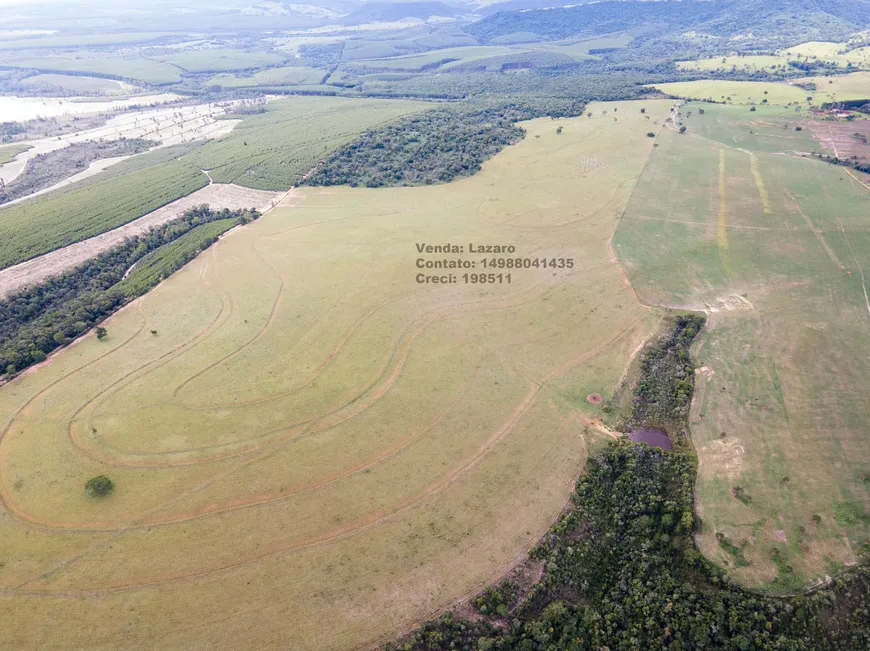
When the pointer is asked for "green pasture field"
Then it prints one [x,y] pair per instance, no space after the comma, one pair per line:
[81,40]
[843,87]
[529,59]
[294,423]
[832,53]
[139,68]
[827,52]
[749,63]
[159,265]
[78,84]
[775,248]
[221,59]
[271,77]
[743,92]
[271,151]
[414,62]
[9,152]
[35,227]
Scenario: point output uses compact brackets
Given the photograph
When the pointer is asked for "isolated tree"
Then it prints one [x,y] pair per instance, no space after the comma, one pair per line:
[101,333]
[99,486]
[643,110]
[559,130]
[650,135]
[682,129]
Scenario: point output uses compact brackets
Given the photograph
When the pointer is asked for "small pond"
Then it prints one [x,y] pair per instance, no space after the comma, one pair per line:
[657,438]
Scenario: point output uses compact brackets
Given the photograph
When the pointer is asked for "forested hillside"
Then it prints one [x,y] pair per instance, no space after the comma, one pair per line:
[784,18]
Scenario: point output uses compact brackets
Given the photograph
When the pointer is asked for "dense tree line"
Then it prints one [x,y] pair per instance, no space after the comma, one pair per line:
[622,571]
[433,147]
[846,162]
[37,320]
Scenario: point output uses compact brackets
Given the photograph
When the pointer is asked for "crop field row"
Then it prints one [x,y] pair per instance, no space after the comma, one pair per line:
[295,423]
[776,249]
[216,196]
[32,228]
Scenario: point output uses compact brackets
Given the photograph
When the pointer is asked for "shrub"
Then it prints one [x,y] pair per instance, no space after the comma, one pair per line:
[99,486]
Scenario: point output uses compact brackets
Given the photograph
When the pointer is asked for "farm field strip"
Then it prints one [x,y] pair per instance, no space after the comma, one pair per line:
[389,445]
[171,125]
[779,412]
[217,196]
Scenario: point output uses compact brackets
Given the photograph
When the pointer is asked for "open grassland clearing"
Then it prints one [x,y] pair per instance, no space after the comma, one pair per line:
[493,57]
[273,150]
[828,52]
[294,423]
[271,77]
[842,88]
[79,84]
[132,67]
[9,152]
[435,58]
[50,41]
[775,248]
[217,196]
[837,54]
[220,59]
[744,92]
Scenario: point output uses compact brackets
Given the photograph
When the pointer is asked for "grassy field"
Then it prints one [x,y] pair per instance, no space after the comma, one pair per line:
[165,260]
[80,40]
[807,52]
[220,59]
[293,423]
[755,63]
[142,69]
[78,84]
[9,152]
[414,62]
[843,87]
[271,151]
[831,53]
[775,248]
[744,92]
[271,77]
[35,227]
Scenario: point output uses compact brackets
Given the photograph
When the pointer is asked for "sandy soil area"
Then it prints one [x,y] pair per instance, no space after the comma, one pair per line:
[169,126]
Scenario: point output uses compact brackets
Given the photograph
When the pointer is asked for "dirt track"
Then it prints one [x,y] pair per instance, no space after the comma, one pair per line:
[218,196]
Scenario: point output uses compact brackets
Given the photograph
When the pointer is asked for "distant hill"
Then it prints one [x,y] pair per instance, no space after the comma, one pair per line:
[717,17]
[381,12]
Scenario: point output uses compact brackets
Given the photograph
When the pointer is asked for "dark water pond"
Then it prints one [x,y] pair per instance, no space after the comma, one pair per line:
[657,438]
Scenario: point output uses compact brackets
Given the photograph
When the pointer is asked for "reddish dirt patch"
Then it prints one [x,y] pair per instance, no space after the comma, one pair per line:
[595,398]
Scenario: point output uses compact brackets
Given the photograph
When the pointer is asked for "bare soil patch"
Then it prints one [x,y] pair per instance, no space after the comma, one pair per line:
[595,398]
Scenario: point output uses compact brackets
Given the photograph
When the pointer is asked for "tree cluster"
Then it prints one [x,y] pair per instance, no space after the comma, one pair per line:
[433,147]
